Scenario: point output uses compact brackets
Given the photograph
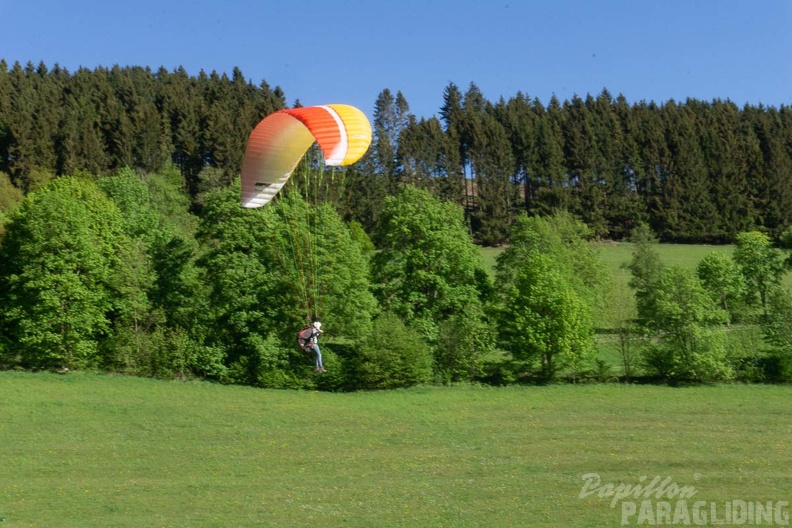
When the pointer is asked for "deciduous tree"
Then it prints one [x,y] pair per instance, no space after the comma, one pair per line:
[58,261]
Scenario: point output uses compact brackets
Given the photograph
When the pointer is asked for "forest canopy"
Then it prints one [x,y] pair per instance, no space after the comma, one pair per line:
[693,170]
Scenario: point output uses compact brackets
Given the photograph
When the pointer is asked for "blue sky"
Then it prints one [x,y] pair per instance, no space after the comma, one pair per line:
[347,51]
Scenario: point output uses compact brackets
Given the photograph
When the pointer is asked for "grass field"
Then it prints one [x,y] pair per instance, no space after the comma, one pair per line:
[83,450]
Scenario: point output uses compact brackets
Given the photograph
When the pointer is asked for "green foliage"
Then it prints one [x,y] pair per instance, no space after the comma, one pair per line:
[208,180]
[544,319]
[10,196]
[722,278]
[161,299]
[564,239]
[360,236]
[429,273]
[58,263]
[694,170]
[760,263]
[693,354]
[689,330]
[38,178]
[130,192]
[777,331]
[548,280]
[246,289]
[427,268]
[323,265]
[463,343]
[264,363]
[646,270]
[170,198]
[394,356]
[270,269]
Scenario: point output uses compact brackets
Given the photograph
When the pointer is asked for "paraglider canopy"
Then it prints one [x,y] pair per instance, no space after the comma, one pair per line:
[280,140]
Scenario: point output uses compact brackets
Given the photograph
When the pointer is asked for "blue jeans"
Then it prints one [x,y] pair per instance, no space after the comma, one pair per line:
[318,353]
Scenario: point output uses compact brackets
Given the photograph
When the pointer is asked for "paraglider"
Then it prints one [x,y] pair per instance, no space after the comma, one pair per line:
[275,148]
[280,140]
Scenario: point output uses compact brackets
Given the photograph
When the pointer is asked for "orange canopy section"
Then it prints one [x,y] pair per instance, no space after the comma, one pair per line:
[280,140]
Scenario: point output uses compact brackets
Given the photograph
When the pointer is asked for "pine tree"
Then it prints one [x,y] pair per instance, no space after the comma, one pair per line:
[451,114]
[552,191]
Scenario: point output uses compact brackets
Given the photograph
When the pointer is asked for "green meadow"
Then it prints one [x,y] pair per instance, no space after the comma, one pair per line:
[84,450]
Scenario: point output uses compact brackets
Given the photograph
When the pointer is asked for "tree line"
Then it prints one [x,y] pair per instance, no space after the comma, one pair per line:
[693,171]
[123,247]
[117,273]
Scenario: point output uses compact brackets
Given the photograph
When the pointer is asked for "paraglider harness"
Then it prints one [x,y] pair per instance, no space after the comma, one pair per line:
[304,337]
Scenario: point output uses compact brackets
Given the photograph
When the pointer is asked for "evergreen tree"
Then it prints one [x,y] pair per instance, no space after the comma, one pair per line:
[652,169]
[5,110]
[551,189]
[390,118]
[19,122]
[582,162]
[492,165]
[646,270]
[518,120]
[452,116]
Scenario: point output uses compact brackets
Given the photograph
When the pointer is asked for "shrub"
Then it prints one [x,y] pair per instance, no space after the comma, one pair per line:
[393,356]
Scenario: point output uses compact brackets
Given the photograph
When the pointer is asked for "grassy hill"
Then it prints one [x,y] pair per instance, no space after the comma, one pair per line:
[83,450]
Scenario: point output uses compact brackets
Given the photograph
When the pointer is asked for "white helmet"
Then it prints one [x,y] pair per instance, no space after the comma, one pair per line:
[317,325]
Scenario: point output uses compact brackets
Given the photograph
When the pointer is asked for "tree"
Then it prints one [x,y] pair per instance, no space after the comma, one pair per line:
[58,261]
[159,322]
[394,356]
[646,270]
[761,264]
[544,320]
[722,278]
[551,189]
[689,346]
[493,165]
[548,279]
[427,270]
[10,196]
[452,117]
[582,159]
[390,117]
[777,330]
[270,269]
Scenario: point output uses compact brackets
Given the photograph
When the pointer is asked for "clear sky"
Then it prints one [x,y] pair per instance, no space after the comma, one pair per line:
[348,51]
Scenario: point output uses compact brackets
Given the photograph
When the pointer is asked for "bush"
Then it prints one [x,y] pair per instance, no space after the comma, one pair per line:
[693,354]
[394,356]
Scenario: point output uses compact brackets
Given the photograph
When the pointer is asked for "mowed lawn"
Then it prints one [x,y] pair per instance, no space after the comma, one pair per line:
[84,450]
